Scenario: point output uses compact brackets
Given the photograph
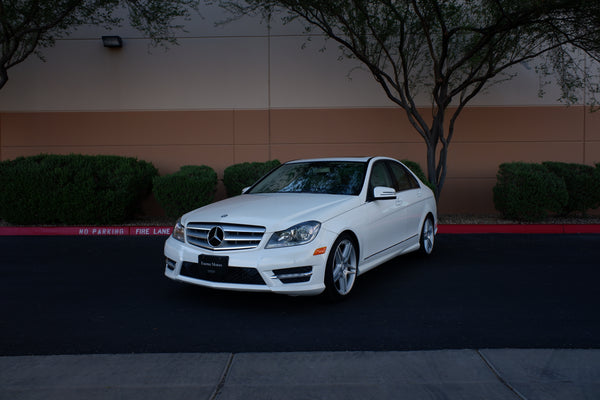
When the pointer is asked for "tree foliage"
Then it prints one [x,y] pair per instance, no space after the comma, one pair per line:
[28,26]
[450,50]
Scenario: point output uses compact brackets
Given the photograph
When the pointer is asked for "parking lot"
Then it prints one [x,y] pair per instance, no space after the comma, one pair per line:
[88,295]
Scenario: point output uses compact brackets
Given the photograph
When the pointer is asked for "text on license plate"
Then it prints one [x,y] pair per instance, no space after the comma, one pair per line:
[213,261]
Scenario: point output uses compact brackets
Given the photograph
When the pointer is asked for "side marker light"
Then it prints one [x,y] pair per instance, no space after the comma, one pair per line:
[319,251]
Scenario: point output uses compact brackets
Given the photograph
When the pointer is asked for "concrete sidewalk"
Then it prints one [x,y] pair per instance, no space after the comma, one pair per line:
[444,374]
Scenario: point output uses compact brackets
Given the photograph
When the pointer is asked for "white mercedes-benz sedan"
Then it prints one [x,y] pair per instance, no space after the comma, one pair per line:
[307,227]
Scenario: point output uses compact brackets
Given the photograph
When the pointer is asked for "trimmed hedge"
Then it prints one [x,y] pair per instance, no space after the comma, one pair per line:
[187,189]
[583,185]
[528,192]
[73,189]
[239,176]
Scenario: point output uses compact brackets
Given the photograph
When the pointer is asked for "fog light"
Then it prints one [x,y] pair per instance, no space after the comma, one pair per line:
[293,275]
[171,264]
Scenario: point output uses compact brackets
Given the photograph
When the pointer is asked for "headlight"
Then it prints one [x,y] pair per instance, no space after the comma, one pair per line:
[179,231]
[296,235]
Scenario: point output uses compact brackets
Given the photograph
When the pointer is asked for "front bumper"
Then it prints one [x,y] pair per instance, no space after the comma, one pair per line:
[292,270]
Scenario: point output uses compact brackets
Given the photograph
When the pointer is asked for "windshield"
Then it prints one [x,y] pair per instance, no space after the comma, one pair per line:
[329,177]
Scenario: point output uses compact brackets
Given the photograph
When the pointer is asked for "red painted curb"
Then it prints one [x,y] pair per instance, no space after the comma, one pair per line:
[517,228]
[150,230]
[86,231]
[165,231]
[582,228]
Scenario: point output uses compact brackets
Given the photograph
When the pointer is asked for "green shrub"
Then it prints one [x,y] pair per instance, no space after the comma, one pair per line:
[73,189]
[239,176]
[582,183]
[528,192]
[418,171]
[187,189]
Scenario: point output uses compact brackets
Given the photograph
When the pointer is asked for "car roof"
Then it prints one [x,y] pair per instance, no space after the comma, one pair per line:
[350,159]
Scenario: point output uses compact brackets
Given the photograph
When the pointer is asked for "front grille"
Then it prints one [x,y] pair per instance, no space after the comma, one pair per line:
[236,237]
[240,275]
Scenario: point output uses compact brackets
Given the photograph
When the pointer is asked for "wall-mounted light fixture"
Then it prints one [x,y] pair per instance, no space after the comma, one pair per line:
[113,42]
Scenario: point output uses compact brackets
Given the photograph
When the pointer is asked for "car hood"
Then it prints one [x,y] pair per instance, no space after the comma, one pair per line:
[274,211]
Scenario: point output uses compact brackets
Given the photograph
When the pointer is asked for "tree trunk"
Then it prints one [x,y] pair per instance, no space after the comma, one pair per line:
[3,77]
[436,168]
[431,166]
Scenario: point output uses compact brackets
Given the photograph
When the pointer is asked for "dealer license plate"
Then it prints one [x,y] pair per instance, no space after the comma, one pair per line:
[213,262]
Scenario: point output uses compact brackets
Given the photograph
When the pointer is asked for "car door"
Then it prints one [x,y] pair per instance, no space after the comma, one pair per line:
[409,198]
[384,232]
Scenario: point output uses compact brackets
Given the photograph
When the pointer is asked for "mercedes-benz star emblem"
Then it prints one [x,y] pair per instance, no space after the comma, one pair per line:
[216,236]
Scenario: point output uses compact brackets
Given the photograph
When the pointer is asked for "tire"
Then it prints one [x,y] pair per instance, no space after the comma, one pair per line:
[427,238]
[342,267]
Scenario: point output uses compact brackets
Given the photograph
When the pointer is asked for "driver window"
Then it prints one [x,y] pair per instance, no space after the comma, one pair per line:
[380,176]
[404,179]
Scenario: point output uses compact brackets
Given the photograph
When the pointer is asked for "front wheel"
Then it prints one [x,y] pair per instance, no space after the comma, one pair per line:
[427,238]
[342,268]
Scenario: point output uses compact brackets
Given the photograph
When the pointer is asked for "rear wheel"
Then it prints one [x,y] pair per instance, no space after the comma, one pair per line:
[342,267]
[427,239]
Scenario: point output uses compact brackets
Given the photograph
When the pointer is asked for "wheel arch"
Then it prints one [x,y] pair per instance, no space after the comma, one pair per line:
[355,240]
[331,283]
[428,214]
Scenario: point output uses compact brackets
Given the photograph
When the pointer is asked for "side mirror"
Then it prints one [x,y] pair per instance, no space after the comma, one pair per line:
[383,193]
[244,190]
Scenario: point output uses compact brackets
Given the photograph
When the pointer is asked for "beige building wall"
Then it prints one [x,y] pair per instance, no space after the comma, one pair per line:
[247,92]
[171,139]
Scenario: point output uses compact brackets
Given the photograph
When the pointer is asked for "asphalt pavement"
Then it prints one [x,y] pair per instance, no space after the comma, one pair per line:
[562,268]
